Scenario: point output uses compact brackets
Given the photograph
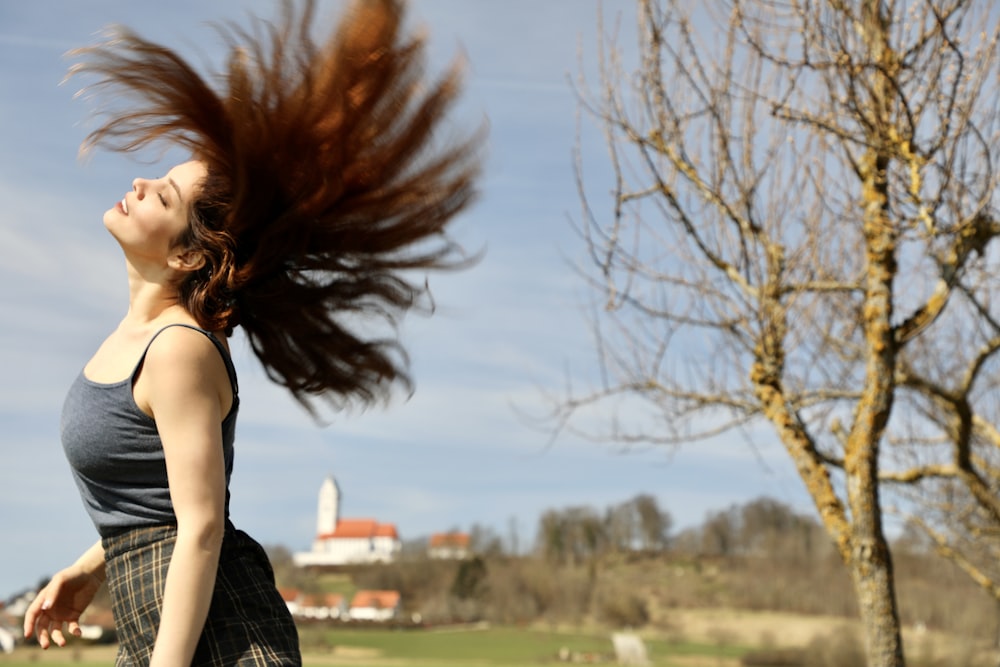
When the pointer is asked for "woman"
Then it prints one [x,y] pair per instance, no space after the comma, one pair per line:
[314,186]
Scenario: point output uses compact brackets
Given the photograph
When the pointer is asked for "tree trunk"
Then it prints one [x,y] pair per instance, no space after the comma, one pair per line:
[872,574]
[869,560]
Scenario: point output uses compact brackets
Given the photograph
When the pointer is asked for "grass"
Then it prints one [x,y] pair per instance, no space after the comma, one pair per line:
[494,645]
[471,646]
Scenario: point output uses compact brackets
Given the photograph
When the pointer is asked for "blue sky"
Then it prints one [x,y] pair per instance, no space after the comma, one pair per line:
[505,332]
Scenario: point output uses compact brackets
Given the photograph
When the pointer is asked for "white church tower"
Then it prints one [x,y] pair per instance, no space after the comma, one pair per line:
[328,512]
[345,541]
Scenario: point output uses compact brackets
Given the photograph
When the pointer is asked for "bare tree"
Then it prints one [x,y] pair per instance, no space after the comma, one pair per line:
[799,235]
[769,527]
[621,526]
[637,523]
[719,534]
[574,535]
[654,523]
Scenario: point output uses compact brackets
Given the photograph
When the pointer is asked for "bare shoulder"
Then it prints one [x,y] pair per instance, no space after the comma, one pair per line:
[181,360]
[182,368]
[182,347]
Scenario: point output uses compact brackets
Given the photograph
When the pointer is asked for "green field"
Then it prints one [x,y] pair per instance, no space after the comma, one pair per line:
[471,647]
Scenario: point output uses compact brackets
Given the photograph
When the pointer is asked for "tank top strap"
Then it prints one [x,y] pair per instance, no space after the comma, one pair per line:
[226,359]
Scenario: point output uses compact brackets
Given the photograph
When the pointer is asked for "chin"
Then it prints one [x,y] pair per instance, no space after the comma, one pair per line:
[110,218]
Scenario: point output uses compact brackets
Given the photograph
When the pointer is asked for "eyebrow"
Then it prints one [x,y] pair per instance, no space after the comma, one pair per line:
[177,188]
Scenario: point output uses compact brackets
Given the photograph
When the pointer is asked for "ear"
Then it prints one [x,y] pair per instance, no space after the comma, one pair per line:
[186,260]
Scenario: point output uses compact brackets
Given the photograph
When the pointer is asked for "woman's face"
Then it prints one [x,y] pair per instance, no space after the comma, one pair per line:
[148,220]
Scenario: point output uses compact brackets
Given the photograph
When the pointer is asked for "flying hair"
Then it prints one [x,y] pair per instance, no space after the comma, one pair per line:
[326,184]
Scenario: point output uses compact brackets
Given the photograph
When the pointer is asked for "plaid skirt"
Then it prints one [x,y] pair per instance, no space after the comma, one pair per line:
[248,622]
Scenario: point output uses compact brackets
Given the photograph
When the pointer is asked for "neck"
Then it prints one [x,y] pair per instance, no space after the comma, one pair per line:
[150,296]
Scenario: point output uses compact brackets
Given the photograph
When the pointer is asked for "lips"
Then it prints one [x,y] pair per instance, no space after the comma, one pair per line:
[123,206]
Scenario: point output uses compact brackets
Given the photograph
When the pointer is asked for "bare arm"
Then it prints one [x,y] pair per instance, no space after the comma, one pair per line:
[64,599]
[187,389]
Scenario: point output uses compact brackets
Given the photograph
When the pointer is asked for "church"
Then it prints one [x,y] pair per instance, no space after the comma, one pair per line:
[347,541]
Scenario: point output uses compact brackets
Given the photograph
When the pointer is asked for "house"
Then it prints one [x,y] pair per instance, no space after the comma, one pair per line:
[375,606]
[449,546]
[321,607]
[347,541]
[328,605]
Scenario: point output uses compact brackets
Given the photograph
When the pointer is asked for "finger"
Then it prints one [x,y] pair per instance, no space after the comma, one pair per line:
[39,622]
[57,635]
[50,632]
[34,613]
[29,624]
[74,629]
[43,637]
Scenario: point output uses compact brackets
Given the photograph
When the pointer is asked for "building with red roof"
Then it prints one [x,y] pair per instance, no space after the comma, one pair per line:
[368,605]
[449,546]
[347,541]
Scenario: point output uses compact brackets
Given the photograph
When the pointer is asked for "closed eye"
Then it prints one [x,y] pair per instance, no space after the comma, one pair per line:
[162,199]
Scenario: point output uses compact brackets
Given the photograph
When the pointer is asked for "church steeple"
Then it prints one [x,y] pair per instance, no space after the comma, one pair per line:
[328,513]
[342,542]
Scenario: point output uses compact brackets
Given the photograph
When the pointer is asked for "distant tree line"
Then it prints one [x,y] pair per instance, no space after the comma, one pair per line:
[580,533]
[761,527]
[625,566]
[764,526]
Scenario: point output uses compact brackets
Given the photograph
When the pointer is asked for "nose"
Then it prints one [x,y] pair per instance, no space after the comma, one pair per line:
[139,186]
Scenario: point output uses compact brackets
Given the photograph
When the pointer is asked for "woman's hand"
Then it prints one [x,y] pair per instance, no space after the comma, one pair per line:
[64,599]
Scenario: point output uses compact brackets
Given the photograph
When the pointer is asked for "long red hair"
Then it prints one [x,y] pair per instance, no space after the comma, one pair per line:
[326,183]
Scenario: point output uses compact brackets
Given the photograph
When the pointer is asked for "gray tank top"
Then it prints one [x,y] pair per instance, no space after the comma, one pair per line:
[116,455]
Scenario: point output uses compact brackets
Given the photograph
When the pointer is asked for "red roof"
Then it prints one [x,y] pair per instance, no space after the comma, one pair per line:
[454,540]
[364,528]
[387,530]
[355,528]
[289,594]
[375,599]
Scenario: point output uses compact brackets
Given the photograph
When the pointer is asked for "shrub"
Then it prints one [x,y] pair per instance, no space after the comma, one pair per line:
[623,610]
